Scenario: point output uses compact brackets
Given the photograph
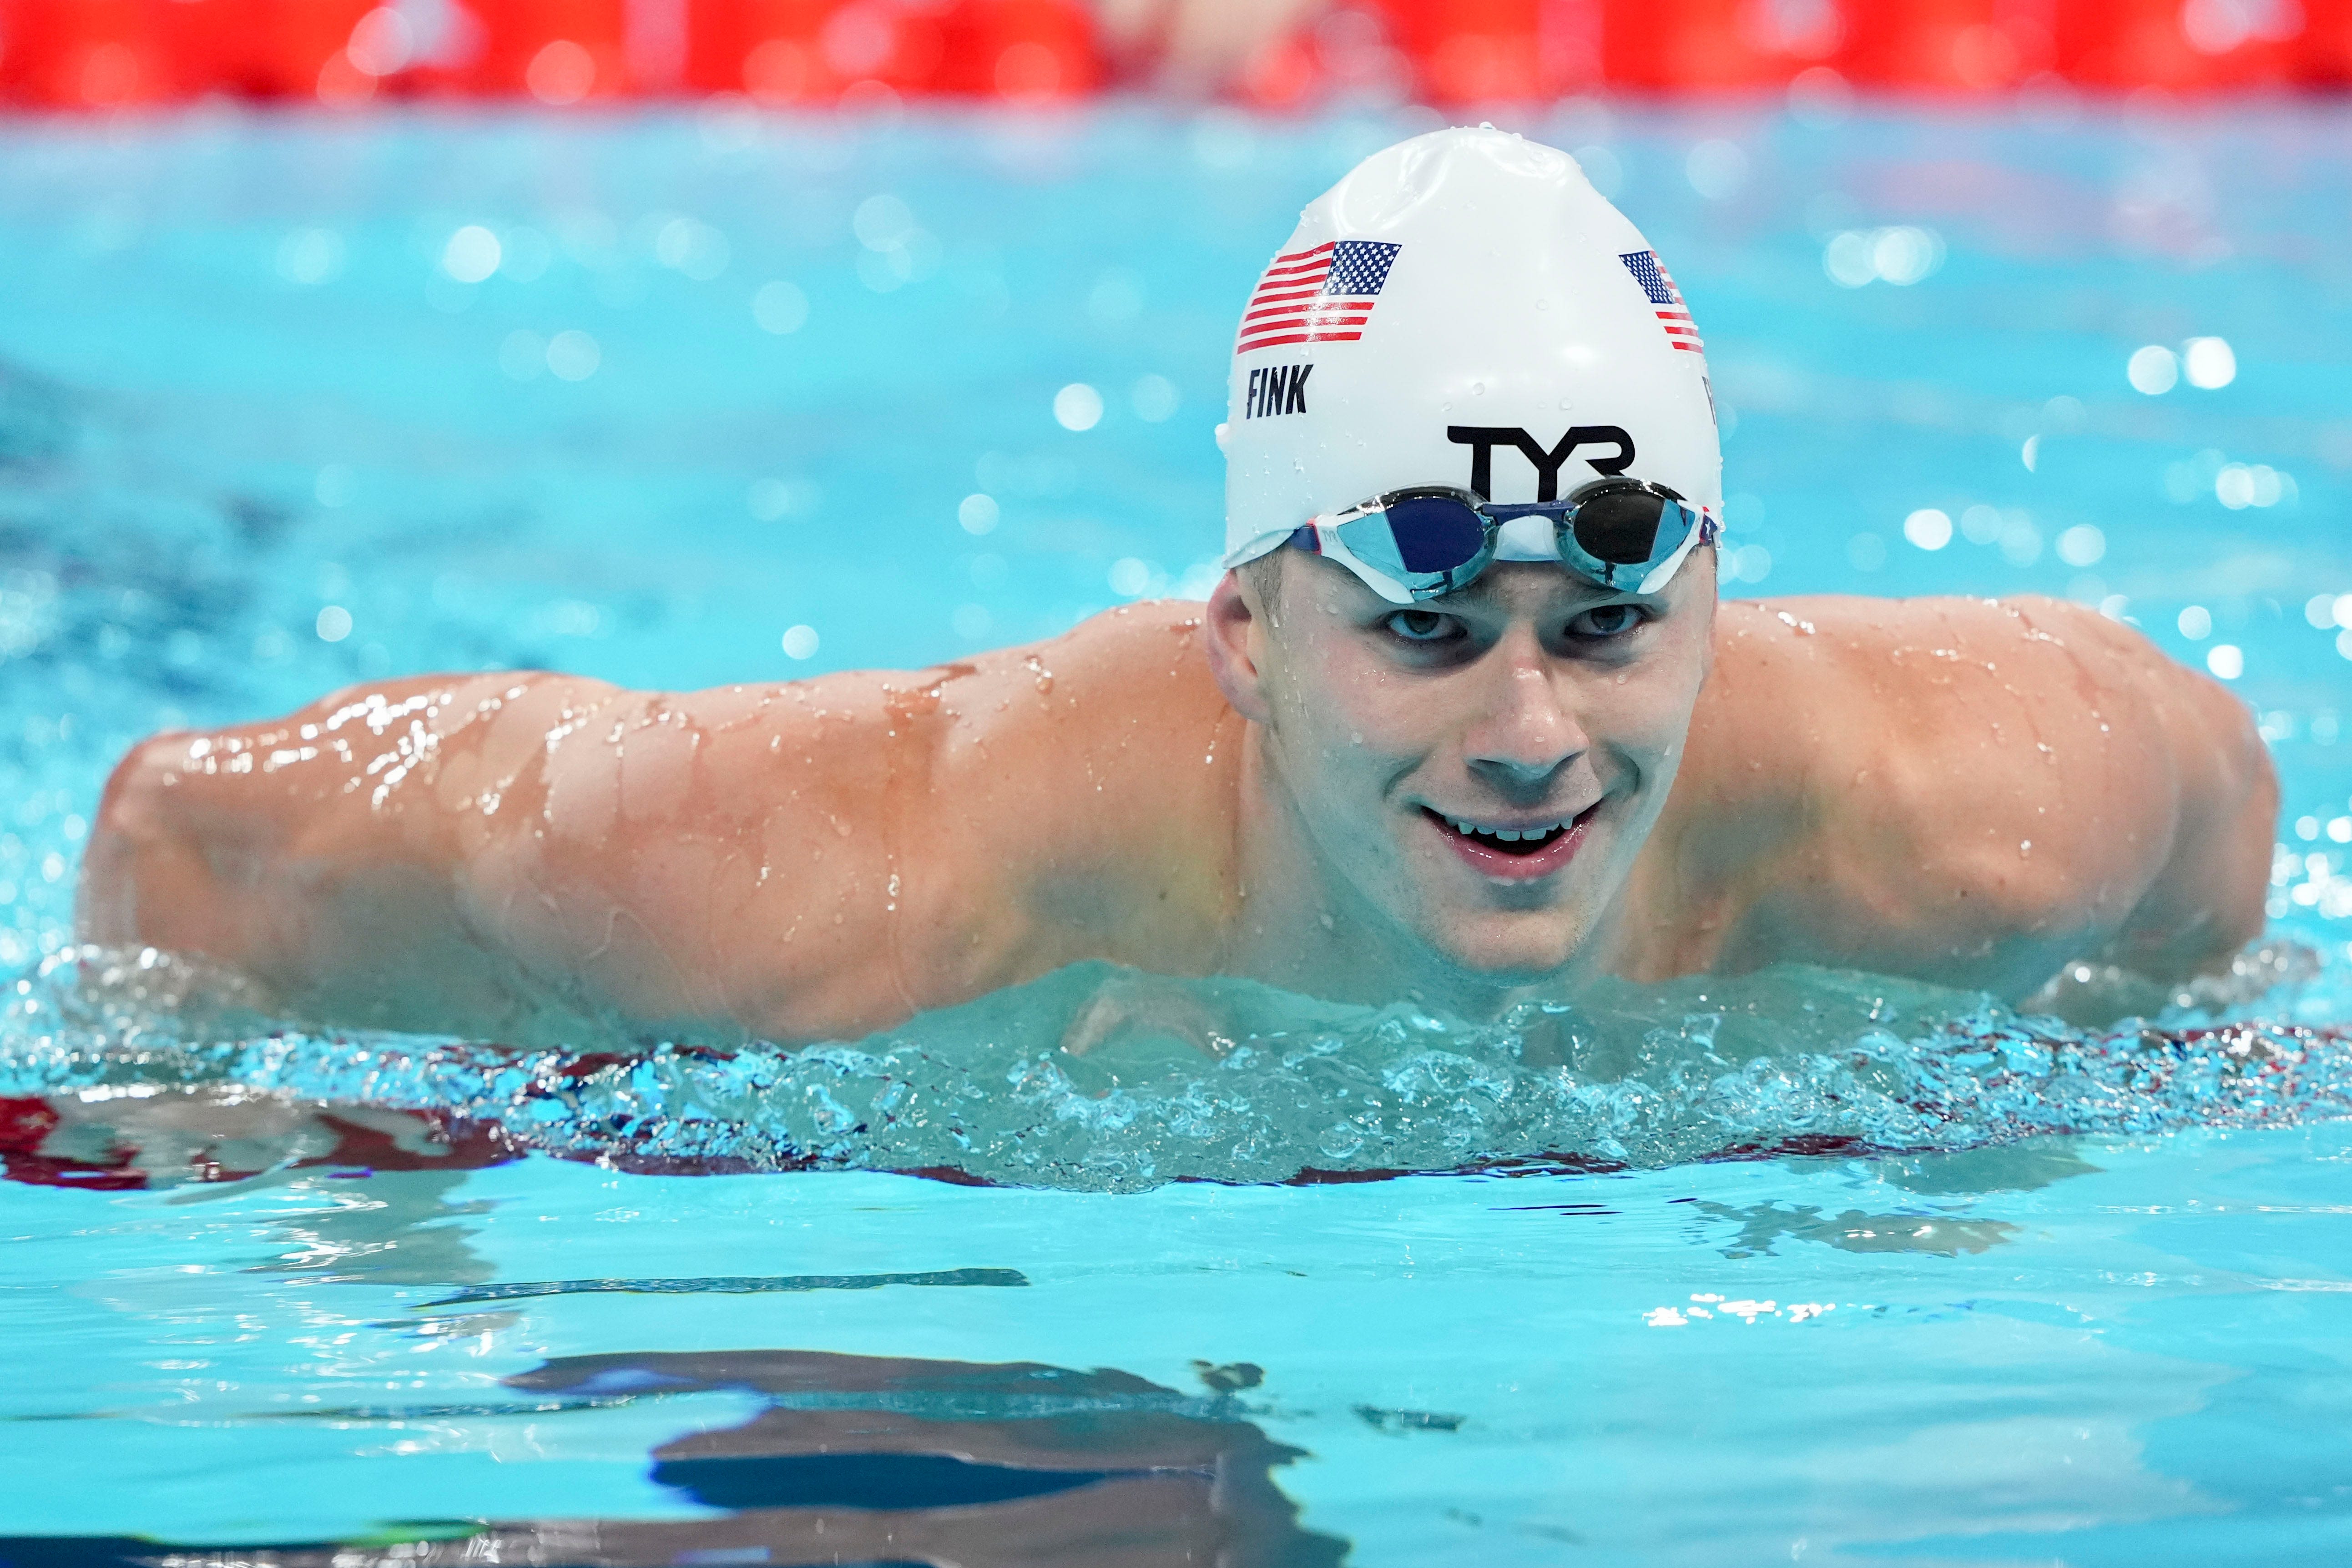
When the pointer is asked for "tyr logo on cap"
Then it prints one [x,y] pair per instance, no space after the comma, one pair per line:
[1481,440]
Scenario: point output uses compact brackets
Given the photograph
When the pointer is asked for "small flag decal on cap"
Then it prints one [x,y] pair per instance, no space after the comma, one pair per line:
[1321,296]
[1673,315]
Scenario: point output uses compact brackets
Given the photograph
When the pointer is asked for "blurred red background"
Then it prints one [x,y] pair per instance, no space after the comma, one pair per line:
[85,53]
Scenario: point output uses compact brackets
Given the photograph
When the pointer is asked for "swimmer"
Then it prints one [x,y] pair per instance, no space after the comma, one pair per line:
[1463,722]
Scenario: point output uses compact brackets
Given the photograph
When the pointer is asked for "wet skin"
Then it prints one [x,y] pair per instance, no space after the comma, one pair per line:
[1961,790]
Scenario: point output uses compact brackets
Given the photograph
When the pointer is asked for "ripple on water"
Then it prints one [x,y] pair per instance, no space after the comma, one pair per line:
[1787,1061]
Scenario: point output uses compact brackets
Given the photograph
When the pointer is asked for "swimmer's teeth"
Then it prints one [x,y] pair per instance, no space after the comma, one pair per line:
[1500,835]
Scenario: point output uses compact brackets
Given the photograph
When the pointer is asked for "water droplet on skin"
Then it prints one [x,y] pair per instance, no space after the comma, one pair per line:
[2024,848]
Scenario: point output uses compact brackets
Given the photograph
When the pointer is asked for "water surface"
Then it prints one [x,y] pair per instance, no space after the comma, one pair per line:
[1806,1265]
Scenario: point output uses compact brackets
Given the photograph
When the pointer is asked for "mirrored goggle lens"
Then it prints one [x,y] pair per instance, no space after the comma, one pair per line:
[1417,537]
[1630,526]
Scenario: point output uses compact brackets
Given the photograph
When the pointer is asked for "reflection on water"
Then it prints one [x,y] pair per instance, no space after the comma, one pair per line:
[1762,1225]
[866,1459]
[134,1070]
[730,1285]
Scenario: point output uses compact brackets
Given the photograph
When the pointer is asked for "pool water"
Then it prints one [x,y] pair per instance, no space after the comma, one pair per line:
[1801,1267]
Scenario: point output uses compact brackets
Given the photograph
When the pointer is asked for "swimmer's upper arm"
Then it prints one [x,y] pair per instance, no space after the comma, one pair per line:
[2164,796]
[324,854]
[821,859]
[712,863]
[516,854]
[2207,900]
[525,855]
[1991,789]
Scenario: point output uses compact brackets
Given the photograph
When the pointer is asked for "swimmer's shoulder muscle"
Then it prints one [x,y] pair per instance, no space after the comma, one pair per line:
[800,860]
[837,853]
[1971,790]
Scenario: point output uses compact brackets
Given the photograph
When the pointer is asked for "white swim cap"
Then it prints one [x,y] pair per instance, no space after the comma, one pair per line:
[1463,309]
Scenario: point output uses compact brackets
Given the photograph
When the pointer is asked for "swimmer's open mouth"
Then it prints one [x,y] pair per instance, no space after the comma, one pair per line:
[1533,839]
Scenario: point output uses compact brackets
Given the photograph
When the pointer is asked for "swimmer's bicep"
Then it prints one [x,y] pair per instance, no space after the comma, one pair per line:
[738,873]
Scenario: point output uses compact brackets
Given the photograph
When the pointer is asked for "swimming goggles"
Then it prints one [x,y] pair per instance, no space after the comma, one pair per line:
[1429,541]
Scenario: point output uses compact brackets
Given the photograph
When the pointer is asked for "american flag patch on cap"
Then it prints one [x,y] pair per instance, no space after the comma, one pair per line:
[1665,297]
[1322,295]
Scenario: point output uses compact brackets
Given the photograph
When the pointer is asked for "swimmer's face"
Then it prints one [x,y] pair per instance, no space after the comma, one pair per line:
[1532,703]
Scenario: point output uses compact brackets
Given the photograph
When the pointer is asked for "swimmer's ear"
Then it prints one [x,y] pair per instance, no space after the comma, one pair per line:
[1230,636]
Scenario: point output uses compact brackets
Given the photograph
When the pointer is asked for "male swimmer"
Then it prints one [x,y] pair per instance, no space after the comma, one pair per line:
[1464,723]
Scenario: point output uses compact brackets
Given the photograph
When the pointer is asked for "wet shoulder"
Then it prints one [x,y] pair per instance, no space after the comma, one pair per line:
[2011,750]
[1964,788]
[1913,660]
[1113,762]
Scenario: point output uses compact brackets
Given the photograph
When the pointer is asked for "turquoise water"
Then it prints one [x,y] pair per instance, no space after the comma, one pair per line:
[1804,1266]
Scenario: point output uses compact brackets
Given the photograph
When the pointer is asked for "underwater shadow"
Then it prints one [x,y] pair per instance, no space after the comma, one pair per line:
[869,1460]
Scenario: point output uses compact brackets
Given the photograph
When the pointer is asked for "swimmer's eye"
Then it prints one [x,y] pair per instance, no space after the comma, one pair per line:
[1421,625]
[1607,621]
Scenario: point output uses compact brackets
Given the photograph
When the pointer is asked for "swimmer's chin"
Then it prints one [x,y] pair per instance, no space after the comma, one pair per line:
[1505,970]
[1491,951]
[1497,936]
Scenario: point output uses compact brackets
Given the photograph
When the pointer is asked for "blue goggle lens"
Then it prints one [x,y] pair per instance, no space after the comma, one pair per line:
[1427,535]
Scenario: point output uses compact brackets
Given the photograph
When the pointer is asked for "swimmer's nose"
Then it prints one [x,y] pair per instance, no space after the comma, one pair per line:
[1528,734]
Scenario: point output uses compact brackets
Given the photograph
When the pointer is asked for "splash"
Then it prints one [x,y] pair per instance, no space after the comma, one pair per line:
[1790,1059]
